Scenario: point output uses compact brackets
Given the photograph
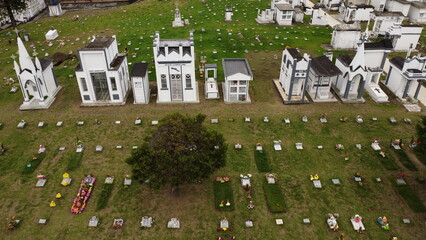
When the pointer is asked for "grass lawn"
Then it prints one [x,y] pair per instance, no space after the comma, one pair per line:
[74,160]
[104,196]
[262,161]
[33,163]
[222,195]
[193,203]
[388,162]
[274,197]
[404,159]
[410,197]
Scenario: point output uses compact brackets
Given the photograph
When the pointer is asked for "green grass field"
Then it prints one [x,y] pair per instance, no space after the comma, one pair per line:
[193,204]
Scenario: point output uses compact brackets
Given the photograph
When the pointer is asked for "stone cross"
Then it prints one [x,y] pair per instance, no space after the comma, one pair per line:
[35,53]
[16,31]
[13,57]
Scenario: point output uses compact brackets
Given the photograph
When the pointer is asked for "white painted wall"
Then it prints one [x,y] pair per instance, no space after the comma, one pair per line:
[140,87]
[379,5]
[409,38]
[417,15]
[394,6]
[345,39]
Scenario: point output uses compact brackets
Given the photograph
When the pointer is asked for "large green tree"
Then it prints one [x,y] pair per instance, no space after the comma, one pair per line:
[181,150]
[421,136]
[9,7]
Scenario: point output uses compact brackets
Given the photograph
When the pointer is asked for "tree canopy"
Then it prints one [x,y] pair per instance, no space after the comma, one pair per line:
[9,7]
[421,136]
[181,150]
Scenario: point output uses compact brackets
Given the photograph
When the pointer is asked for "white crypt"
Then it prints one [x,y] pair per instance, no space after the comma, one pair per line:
[102,75]
[175,70]
[36,79]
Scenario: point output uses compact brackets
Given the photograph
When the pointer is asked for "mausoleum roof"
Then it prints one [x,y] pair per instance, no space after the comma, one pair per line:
[45,62]
[324,67]
[210,65]
[139,70]
[233,66]
[348,27]
[294,53]
[384,44]
[345,59]
[398,62]
[284,7]
[387,14]
[100,43]
[117,61]
[174,42]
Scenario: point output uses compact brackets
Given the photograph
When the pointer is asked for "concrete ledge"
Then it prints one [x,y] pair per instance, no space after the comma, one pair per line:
[284,96]
[35,105]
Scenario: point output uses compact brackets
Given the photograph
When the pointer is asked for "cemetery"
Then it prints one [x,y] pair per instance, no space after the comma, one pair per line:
[343,163]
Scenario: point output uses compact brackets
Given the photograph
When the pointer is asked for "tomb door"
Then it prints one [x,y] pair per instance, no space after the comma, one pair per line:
[100,86]
[176,87]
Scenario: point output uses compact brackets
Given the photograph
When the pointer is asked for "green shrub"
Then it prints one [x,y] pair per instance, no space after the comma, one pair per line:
[74,161]
[262,161]
[104,195]
[274,198]
[222,193]
[35,161]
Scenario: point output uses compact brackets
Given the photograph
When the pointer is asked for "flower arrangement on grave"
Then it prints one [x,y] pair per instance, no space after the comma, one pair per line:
[11,223]
[83,194]
[383,221]
[314,177]
[223,179]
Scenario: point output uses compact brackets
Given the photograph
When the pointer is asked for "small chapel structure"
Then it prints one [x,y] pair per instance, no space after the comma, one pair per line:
[36,79]
[102,75]
[349,86]
[175,70]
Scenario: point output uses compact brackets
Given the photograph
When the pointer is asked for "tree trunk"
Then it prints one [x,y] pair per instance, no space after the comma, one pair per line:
[9,11]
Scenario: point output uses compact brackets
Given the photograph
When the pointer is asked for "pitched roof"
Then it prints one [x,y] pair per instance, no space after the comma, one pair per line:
[45,62]
[139,70]
[398,62]
[117,61]
[294,53]
[233,66]
[345,59]
[324,67]
[284,7]
[384,44]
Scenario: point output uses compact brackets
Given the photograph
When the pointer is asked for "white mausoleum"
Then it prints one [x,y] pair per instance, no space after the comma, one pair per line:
[294,75]
[406,76]
[36,79]
[102,75]
[140,83]
[349,86]
[237,80]
[175,70]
